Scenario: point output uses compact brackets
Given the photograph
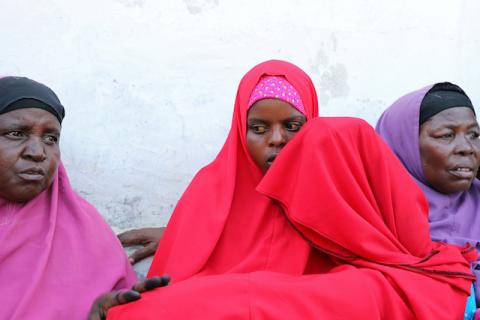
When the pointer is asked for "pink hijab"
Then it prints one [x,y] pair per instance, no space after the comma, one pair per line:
[57,255]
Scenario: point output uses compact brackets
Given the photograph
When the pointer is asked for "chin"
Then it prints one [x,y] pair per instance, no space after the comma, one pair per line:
[26,195]
[26,198]
[460,186]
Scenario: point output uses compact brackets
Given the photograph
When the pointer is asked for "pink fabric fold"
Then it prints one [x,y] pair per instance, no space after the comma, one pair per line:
[276,87]
[57,255]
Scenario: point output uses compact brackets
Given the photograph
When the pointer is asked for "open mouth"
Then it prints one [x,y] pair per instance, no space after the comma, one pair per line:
[271,159]
[463,172]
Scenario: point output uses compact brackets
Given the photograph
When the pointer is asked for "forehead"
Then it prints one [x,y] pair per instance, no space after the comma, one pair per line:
[453,116]
[272,109]
[30,117]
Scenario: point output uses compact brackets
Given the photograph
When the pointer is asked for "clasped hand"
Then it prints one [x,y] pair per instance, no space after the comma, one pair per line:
[111,299]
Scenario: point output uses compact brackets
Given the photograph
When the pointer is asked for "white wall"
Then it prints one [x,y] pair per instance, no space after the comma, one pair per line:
[149,85]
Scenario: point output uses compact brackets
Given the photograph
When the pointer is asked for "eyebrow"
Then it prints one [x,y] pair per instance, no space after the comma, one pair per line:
[298,118]
[22,127]
[52,130]
[255,120]
[452,126]
[302,118]
[469,125]
[13,126]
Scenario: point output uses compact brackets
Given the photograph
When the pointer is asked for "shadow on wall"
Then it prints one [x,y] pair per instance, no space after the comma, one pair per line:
[197,6]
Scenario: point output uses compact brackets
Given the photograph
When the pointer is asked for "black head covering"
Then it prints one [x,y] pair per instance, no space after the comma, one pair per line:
[19,93]
[442,96]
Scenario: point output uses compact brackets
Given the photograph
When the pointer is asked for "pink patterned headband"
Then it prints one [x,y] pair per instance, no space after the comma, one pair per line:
[276,87]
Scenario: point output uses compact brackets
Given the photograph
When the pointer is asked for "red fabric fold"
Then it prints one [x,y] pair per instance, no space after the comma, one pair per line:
[348,195]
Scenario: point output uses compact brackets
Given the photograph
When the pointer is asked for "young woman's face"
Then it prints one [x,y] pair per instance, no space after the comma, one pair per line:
[271,123]
[450,149]
[29,153]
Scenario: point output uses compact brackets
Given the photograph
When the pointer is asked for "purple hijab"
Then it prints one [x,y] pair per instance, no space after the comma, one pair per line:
[57,255]
[454,217]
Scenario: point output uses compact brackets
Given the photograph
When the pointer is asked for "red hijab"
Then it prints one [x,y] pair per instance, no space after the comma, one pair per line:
[335,187]
[225,185]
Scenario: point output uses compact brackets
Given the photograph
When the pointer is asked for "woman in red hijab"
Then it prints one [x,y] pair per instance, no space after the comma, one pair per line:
[334,229]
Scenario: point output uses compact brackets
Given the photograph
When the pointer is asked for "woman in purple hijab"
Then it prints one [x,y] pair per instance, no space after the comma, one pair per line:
[434,132]
[57,253]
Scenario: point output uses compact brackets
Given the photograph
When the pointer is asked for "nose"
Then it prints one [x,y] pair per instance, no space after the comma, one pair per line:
[278,137]
[34,150]
[465,146]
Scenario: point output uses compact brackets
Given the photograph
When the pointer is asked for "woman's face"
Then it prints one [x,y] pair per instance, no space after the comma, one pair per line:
[450,149]
[271,123]
[29,153]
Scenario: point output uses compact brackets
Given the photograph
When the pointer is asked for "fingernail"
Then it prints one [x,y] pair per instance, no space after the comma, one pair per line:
[166,279]
[132,295]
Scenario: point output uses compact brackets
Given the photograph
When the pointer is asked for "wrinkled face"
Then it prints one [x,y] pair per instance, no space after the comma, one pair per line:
[271,123]
[29,153]
[450,149]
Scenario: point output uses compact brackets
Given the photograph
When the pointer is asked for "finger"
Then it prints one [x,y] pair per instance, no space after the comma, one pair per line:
[152,283]
[126,297]
[156,282]
[106,301]
[130,237]
[148,284]
[141,253]
[95,314]
[166,279]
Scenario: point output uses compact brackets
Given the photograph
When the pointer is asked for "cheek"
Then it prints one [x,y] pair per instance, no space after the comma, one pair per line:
[476,146]
[8,159]
[256,146]
[434,155]
[289,135]
[434,161]
[54,159]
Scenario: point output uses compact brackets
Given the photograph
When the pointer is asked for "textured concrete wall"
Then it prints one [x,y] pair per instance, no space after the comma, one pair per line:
[149,85]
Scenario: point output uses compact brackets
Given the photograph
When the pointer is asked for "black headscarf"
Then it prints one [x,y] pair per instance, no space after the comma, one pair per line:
[443,96]
[20,92]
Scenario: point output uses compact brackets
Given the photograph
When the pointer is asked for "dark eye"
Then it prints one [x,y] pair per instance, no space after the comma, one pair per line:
[446,136]
[15,134]
[257,128]
[473,134]
[294,126]
[50,139]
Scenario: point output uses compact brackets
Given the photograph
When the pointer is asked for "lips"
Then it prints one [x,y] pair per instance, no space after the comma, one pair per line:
[463,172]
[271,158]
[32,174]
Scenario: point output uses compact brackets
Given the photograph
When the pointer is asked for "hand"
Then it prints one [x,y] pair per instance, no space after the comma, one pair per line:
[147,237]
[106,301]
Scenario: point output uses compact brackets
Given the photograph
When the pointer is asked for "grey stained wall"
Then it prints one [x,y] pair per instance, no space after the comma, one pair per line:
[149,85]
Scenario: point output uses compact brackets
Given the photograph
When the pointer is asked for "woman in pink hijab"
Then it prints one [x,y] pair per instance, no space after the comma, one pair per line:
[57,253]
